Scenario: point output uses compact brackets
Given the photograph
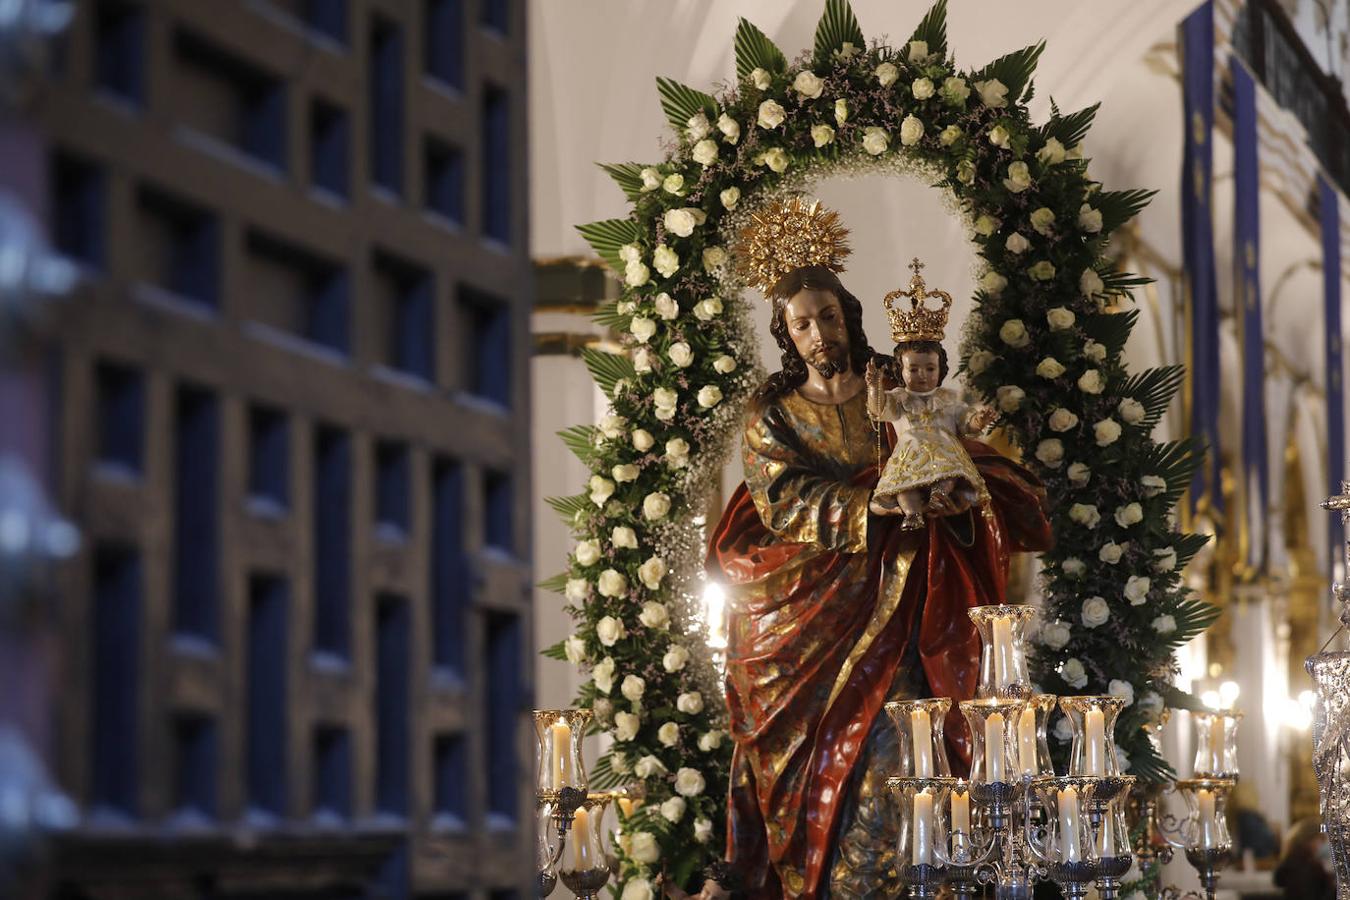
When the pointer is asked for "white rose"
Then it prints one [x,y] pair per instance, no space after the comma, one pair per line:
[986,225]
[1062,420]
[730,197]
[1090,382]
[1063,731]
[648,767]
[1019,177]
[691,703]
[651,572]
[651,179]
[1073,567]
[1151,704]
[1089,219]
[697,128]
[643,848]
[676,658]
[1085,514]
[1090,283]
[1110,553]
[950,135]
[575,648]
[673,809]
[1095,611]
[624,472]
[993,283]
[1009,397]
[1042,271]
[822,135]
[840,111]
[1129,514]
[1165,560]
[886,74]
[1131,411]
[654,615]
[1016,243]
[709,396]
[655,505]
[1153,485]
[633,687]
[808,84]
[918,52]
[664,398]
[776,158]
[999,136]
[1072,671]
[911,131]
[724,365]
[955,91]
[630,252]
[1078,474]
[992,93]
[689,782]
[922,88]
[642,328]
[603,675]
[1052,154]
[761,79]
[979,361]
[626,726]
[771,114]
[623,536]
[703,830]
[708,309]
[1050,452]
[1049,368]
[1060,318]
[1165,624]
[965,172]
[642,360]
[710,741]
[643,440]
[577,590]
[673,183]
[680,354]
[587,553]
[1055,635]
[876,140]
[730,128]
[705,152]
[612,584]
[677,453]
[1014,333]
[666,260]
[1136,589]
[635,274]
[1107,431]
[1121,688]
[684,220]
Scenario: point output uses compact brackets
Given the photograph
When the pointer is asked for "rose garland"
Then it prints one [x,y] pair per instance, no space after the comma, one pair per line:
[1045,342]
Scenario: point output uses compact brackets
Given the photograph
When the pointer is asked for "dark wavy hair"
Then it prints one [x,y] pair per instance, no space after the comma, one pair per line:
[921,347]
[793,373]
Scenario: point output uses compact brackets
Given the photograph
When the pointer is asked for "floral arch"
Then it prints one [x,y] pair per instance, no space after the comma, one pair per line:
[1044,344]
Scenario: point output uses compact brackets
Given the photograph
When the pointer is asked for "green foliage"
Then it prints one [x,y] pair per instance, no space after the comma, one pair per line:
[1111,330]
[1176,462]
[607,315]
[570,508]
[837,27]
[1154,388]
[558,651]
[1119,207]
[627,175]
[933,30]
[1187,545]
[608,236]
[1071,129]
[602,776]
[607,368]
[754,50]
[1148,765]
[681,103]
[580,439]
[556,584]
[1014,70]
[1193,618]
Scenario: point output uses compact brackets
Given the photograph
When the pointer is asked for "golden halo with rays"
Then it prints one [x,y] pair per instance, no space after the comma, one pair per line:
[787,235]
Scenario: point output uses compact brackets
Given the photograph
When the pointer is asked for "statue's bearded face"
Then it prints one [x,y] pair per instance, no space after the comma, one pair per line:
[815,322]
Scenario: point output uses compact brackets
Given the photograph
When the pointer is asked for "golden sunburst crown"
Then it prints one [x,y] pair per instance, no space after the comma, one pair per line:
[920,322]
[787,235]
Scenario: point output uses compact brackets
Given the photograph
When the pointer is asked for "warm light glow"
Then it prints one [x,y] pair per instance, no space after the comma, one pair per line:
[1211,699]
[714,614]
[1298,714]
[1228,693]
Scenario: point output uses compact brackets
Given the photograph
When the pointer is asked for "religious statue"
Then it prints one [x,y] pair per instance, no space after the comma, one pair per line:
[833,609]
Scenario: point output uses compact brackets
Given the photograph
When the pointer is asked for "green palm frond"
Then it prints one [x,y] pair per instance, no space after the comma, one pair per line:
[1119,207]
[1123,282]
[556,584]
[608,236]
[607,368]
[607,315]
[602,776]
[838,26]
[1175,698]
[1148,765]
[1176,462]
[1111,329]
[681,103]
[569,508]
[754,50]
[1187,545]
[627,175]
[933,30]
[1193,617]
[1014,70]
[1155,388]
[580,439]
[1071,129]
[558,651]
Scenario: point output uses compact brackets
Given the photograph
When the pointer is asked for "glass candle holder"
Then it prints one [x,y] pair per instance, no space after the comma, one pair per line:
[584,865]
[1069,843]
[993,737]
[558,760]
[918,726]
[1111,846]
[1206,825]
[925,816]
[1093,722]
[1033,747]
[1003,657]
[1216,744]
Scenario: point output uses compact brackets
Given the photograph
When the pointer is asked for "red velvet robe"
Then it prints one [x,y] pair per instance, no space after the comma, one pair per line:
[823,599]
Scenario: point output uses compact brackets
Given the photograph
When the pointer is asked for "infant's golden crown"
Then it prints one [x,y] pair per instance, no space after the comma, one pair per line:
[920,322]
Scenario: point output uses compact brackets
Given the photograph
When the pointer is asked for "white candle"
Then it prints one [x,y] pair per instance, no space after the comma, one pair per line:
[1004,670]
[1068,826]
[1208,822]
[1094,746]
[961,809]
[628,805]
[922,727]
[579,837]
[993,748]
[1026,742]
[923,829]
[1216,744]
[563,775]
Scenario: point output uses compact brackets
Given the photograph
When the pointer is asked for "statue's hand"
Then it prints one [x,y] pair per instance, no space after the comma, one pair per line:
[982,418]
[947,504]
[872,375]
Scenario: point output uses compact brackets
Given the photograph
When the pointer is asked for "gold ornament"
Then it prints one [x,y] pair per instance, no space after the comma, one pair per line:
[920,323]
[788,235]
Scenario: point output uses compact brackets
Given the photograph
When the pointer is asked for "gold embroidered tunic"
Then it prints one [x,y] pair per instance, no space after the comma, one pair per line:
[927,442]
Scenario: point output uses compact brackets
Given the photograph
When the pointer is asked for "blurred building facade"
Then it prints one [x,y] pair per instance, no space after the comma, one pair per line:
[289,411]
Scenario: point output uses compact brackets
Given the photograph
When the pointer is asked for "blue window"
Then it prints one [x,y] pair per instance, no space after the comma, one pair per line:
[332,772]
[196,519]
[269,456]
[496,15]
[408,295]
[184,247]
[443,27]
[487,352]
[450,771]
[496,156]
[392,487]
[328,17]
[196,754]
[299,292]
[391,704]
[121,416]
[385,75]
[119,49]
[497,518]
[268,653]
[115,680]
[444,182]
[329,147]
[332,542]
[504,703]
[252,102]
[450,585]
[79,209]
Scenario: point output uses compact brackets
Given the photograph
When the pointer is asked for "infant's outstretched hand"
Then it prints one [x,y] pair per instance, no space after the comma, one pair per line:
[983,417]
[872,375]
